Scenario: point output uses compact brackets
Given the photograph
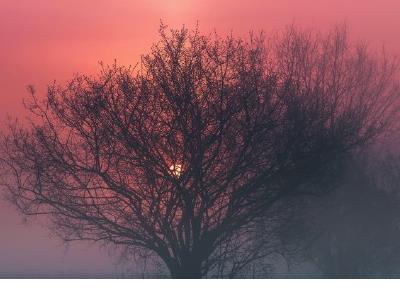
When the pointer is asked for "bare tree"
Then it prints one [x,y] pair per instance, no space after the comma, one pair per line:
[182,153]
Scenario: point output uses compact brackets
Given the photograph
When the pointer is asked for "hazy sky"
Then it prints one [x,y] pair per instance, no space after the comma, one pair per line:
[46,40]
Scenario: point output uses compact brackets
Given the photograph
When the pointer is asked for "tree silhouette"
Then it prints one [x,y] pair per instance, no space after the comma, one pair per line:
[183,153]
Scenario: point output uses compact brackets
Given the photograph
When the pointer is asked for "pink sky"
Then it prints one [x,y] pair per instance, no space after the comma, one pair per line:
[46,40]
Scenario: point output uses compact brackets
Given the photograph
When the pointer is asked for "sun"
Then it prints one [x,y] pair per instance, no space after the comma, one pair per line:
[176,170]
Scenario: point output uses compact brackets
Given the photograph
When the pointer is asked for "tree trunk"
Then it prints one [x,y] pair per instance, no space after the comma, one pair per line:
[189,269]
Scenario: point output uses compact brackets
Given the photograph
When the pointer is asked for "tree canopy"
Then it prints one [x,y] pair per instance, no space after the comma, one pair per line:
[180,154]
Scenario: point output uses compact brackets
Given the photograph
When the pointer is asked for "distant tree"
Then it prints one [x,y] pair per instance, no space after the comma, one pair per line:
[359,230]
[350,232]
[182,154]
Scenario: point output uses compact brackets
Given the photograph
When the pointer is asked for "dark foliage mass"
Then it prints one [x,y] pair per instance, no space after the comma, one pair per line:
[187,153]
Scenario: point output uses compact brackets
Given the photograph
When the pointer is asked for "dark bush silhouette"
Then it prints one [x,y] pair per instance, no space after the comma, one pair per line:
[183,153]
[360,232]
[350,232]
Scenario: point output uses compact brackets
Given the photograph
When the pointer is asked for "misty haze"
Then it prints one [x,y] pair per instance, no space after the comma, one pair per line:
[255,146]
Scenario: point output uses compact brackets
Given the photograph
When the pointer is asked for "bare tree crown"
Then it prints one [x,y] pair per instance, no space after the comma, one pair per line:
[184,151]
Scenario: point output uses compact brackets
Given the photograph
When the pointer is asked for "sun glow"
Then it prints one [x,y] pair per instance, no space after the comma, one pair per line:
[173,7]
[176,170]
